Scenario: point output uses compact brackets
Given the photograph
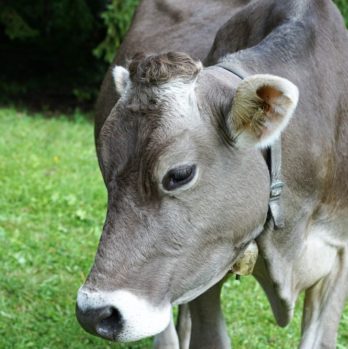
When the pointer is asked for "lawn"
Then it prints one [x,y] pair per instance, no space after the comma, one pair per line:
[52,206]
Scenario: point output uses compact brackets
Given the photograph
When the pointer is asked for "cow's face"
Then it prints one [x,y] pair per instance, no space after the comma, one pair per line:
[188,188]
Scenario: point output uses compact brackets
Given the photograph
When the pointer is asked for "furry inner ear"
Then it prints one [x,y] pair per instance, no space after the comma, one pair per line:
[121,79]
[261,109]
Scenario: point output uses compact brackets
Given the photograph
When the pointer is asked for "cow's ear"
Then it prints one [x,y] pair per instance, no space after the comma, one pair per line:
[261,109]
[121,78]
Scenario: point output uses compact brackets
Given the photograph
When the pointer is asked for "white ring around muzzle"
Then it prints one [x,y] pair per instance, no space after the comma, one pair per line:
[140,318]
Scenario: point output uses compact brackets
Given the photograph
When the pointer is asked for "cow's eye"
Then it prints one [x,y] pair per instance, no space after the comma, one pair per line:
[179,176]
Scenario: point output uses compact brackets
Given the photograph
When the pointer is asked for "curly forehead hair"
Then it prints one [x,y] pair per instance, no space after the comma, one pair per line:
[158,69]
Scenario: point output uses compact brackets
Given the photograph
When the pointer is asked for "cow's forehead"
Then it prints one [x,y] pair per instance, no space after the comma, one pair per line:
[150,118]
[159,114]
[173,104]
[148,121]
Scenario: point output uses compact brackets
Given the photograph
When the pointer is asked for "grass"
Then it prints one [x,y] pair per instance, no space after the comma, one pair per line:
[343,7]
[52,206]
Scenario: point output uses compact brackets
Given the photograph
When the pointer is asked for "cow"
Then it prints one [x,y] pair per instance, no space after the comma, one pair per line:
[200,160]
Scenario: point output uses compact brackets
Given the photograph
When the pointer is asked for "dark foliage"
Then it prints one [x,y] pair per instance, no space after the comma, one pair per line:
[46,51]
[54,53]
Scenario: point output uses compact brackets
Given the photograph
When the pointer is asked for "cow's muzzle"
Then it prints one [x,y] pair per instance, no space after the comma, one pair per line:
[120,315]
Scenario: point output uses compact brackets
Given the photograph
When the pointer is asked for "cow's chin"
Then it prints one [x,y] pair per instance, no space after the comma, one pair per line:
[197,291]
[242,264]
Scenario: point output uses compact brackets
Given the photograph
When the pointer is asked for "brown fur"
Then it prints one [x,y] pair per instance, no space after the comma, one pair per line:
[159,69]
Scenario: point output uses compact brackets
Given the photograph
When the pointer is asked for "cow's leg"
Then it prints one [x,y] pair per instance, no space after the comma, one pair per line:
[179,337]
[208,325]
[183,326]
[168,339]
[323,306]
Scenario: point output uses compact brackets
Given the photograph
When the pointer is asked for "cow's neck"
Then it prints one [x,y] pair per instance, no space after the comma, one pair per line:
[281,300]
[314,152]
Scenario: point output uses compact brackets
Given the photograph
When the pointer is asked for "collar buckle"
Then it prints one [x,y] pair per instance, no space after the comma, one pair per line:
[275,200]
[276,190]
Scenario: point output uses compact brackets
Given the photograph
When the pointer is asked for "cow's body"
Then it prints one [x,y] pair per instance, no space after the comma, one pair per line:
[305,42]
[311,51]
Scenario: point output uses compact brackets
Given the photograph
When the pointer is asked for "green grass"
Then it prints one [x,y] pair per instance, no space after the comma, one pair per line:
[343,6]
[52,206]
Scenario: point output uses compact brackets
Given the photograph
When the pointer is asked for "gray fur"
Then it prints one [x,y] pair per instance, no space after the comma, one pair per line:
[162,246]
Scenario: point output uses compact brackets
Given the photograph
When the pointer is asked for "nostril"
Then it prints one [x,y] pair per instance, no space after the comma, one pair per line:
[106,322]
[110,323]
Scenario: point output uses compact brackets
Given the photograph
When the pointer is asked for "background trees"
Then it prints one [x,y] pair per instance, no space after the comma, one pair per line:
[54,53]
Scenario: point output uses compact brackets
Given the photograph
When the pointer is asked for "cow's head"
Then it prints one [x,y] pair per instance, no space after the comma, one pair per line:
[188,187]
